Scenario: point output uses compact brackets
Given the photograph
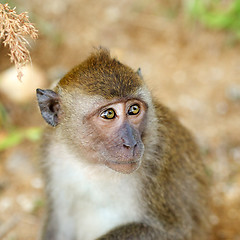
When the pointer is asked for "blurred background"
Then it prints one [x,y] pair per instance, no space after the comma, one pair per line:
[189,53]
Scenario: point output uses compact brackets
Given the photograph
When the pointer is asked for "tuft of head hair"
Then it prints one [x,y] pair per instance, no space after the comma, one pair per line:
[100,74]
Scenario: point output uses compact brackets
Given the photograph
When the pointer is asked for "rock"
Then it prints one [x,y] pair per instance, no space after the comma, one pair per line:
[21,92]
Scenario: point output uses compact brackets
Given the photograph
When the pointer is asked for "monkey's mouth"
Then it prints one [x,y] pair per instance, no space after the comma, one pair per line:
[123,162]
[125,167]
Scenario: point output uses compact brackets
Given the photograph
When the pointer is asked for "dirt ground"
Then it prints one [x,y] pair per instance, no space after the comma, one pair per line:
[192,70]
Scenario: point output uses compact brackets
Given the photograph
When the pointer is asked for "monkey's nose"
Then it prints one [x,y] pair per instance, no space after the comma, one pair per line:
[128,137]
[129,143]
[130,147]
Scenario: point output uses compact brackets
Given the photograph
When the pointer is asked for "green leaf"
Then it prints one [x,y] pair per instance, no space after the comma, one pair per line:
[33,134]
[11,140]
[17,136]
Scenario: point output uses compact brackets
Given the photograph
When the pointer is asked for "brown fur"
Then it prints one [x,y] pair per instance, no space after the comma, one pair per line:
[104,76]
[175,187]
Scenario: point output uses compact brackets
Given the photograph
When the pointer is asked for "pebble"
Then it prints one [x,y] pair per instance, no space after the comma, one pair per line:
[24,90]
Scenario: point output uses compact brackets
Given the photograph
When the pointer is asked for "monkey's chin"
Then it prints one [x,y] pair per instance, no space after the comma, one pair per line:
[124,167]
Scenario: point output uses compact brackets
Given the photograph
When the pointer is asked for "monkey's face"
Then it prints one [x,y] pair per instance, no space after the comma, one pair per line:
[106,132]
[99,112]
[115,133]
[98,130]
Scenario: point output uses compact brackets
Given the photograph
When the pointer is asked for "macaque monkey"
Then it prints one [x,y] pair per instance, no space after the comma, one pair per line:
[117,164]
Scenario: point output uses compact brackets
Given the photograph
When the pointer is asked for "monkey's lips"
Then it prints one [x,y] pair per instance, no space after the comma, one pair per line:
[126,167]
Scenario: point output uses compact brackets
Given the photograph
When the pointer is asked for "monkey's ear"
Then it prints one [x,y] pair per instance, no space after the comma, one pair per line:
[49,105]
[139,73]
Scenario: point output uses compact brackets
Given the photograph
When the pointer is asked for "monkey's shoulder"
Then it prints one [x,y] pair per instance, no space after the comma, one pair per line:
[172,128]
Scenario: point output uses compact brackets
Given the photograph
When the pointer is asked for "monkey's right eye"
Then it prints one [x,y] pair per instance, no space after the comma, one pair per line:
[108,114]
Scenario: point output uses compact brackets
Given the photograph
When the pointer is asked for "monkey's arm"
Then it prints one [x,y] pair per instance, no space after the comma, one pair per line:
[133,231]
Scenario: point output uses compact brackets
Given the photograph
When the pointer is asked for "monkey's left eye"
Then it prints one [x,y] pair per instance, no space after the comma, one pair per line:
[108,114]
[134,109]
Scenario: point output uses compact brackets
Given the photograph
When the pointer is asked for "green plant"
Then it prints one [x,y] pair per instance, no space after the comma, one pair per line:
[16,136]
[216,14]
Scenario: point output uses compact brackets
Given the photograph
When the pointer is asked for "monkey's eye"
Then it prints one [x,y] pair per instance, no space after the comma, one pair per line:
[108,114]
[134,109]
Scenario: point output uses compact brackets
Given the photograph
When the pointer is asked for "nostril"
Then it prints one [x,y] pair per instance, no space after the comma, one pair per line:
[130,148]
[128,144]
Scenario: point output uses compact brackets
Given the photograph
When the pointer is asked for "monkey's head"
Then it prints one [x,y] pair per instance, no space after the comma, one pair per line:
[100,110]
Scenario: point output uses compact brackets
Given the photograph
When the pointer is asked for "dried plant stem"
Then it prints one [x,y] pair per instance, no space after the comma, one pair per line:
[13,29]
